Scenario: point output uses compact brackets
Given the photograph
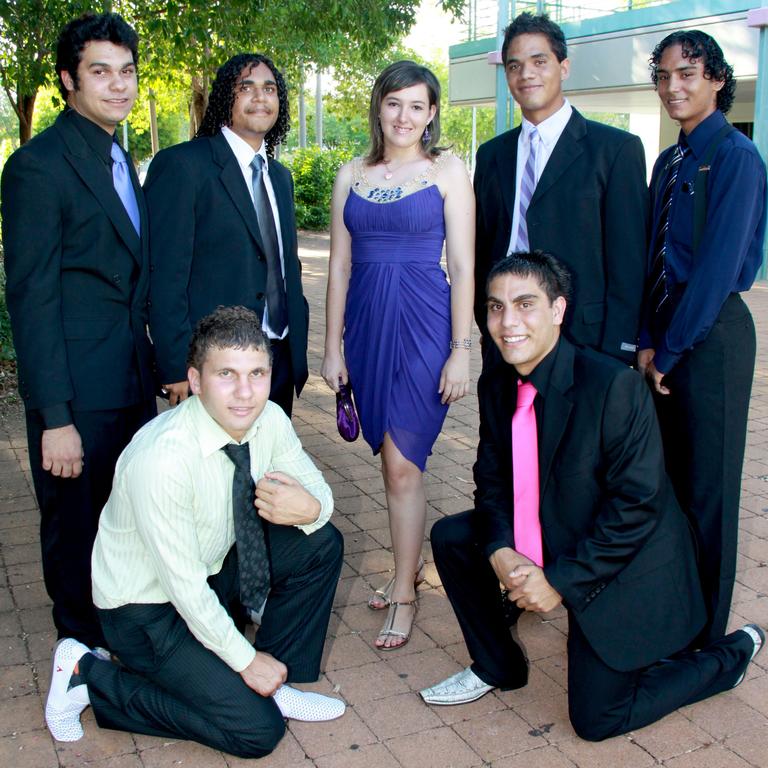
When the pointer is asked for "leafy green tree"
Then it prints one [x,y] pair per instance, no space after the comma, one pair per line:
[28,32]
[194,36]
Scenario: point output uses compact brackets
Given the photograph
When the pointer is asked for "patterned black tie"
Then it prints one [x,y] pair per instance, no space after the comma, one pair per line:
[276,301]
[252,558]
[657,281]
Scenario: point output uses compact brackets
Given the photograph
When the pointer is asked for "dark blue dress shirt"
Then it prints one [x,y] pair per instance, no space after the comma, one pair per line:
[731,247]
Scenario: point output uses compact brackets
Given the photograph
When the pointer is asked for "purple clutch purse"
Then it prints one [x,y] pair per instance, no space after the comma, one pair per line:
[346,416]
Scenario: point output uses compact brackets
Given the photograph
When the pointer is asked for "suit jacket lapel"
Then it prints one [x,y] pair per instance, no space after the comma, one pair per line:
[567,149]
[232,178]
[284,207]
[557,411]
[506,160]
[94,175]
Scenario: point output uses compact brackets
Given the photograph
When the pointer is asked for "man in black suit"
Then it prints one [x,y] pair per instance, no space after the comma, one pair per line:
[606,538]
[223,231]
[566,185]
[77,286]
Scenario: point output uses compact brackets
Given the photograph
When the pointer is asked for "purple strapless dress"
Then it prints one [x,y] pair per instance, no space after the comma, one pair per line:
[397,323]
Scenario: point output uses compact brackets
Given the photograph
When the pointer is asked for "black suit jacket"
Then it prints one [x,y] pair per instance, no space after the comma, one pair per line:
[77,277]
[589,209]
[617,546]
[206,249]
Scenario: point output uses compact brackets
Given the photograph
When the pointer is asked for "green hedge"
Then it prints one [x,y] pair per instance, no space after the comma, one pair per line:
[314,171]
[7,351]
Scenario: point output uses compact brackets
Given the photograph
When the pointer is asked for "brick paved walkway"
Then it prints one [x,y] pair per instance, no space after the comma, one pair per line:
[386,723]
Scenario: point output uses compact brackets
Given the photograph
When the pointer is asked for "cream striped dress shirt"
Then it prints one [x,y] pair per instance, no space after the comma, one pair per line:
[168,526]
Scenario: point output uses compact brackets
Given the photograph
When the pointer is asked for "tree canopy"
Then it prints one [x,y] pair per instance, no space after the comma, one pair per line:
[195,36]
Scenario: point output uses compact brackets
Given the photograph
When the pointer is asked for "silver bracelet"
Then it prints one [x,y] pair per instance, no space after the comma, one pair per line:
[461,343]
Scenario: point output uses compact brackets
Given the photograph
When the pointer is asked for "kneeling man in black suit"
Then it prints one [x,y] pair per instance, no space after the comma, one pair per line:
[572,506]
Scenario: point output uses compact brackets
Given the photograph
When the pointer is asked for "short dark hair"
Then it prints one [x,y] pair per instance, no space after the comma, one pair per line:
[552,275]
[227,328]
[218,113]
[110,27]
[528,24]
[697,45]
[399,75]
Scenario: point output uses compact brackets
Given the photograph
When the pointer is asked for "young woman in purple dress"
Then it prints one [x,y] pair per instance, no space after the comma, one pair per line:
[406,331]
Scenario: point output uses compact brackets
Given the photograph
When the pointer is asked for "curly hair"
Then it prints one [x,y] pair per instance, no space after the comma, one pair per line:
[528,24]
[109,27]
[222,98]
[403,74]
[696,45]
[226,328]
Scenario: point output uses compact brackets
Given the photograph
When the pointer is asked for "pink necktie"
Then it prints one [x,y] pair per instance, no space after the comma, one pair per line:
[525,473]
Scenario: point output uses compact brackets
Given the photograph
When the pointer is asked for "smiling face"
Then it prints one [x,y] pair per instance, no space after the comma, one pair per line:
[404,115]
[257,104]
[535,76]
[107,84]
[686,94]
[233,386]
[522,322]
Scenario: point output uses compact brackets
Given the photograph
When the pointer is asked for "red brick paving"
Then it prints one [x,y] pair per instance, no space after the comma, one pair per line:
[386,724]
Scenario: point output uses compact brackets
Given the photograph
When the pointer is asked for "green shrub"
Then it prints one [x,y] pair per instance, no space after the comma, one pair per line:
[7,351]
[314,170]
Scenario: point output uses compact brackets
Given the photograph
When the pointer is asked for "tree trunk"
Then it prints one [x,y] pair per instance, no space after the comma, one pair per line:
[153,123]
[302,113]
[25,111]
[319,109]
[198,104]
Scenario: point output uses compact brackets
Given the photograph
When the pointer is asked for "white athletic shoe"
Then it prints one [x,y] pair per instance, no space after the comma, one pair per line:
[307,706]
[64,704]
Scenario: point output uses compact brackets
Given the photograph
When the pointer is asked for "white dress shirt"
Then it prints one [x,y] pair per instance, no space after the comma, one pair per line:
[549,131]
[244,155]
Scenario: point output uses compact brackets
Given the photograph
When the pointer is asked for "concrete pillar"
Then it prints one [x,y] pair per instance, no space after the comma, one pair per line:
[502,92]
[646,126]
[759,18]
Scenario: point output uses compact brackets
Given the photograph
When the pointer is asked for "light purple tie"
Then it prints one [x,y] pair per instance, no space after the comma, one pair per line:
[525,474]
[121,180]
[527,187]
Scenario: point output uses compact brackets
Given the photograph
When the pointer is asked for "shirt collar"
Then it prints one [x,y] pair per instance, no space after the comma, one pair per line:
[542,373]
[210,436]
[95,137]
[550,129]
[243,151]
[701,136]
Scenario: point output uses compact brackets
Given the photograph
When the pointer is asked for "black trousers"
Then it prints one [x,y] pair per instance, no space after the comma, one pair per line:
[173,687]
[602,702]
[282,387]
[70,510]
[704,427]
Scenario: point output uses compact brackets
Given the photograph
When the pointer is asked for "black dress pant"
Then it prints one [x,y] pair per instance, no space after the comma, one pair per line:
[173,687]
[282,387]
[70,510]
[602,702]
[704,427]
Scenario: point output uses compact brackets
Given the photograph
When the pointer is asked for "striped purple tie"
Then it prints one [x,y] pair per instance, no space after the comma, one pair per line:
[657,281]
[527,187]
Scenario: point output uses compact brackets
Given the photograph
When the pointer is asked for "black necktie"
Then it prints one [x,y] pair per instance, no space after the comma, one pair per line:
[276,301]
[252,558]
[657,280]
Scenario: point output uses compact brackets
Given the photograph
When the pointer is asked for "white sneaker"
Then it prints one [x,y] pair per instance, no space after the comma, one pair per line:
[64,704]
[307,706]
[461,688]
[757,636]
